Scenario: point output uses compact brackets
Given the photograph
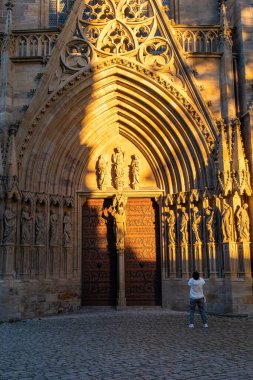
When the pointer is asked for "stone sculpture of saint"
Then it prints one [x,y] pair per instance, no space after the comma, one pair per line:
[184,226]
[195,225]
[118,167]
[39,227]
[135,171]
[210,225]
[171,221]
[67,229]
[26,226]
[53,228]
[102,172]
[243,223]
[227,222]
[9,226]
[119,214]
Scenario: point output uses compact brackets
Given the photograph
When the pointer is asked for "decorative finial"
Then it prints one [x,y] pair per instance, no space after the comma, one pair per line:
[9,5]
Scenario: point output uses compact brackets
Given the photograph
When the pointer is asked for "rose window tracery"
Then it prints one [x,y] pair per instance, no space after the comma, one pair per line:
[77,54]
[98,11]
[119,27]
[116,39]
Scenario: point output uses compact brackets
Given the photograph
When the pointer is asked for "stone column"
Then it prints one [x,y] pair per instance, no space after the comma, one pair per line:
[184,260]
[212,259]
[244,261]
[198,257]
[121,297]
[172,260]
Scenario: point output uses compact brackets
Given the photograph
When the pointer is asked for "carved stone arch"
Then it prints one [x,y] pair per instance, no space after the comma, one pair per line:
[149,111]
[188,41]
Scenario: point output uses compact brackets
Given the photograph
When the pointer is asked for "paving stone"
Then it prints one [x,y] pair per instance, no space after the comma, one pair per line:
[135,344]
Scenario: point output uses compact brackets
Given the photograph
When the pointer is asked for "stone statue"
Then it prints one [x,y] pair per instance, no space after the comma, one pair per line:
[196,219]
[67,229]
[53,228]
[102,172]
[135,171]
[210,225]
[9,226]
[118,167]
[171,221]
[243,223]
[26,226]
[39,227]
[184,226]
[227,222]
[119,214]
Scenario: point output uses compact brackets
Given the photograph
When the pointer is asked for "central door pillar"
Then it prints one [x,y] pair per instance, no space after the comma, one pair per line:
[121,291]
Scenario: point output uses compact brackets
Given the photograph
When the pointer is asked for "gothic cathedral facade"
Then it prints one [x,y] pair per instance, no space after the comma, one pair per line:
[126,157]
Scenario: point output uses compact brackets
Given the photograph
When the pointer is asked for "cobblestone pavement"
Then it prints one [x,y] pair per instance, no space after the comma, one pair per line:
[131,344]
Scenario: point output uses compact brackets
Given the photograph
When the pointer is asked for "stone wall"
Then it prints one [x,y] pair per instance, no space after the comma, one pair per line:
[196,12]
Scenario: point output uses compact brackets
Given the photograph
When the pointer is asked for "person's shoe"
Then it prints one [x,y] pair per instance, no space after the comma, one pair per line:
[205,325]
[191,326]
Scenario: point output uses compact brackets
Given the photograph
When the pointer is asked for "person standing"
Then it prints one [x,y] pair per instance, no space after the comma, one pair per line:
[197,298]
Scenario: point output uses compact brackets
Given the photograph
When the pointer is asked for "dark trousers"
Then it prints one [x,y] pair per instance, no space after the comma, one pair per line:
[201,306]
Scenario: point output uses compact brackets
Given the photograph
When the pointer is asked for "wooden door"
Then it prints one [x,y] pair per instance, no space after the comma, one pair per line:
[99,261]
[142,253]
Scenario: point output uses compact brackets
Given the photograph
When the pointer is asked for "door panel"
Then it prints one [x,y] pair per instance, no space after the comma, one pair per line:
[99,261]
[142,253]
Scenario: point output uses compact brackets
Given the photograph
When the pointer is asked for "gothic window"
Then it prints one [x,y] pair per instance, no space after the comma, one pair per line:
[58,11]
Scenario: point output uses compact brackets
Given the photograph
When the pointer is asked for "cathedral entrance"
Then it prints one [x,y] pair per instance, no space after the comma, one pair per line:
[142,254]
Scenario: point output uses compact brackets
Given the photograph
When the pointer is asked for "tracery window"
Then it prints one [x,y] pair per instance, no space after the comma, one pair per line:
[58,11]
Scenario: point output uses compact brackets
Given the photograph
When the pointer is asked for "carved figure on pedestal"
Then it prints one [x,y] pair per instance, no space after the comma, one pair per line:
[210,225]
[119,214]
[26,226]
[135,172]
[53,228]
[67,229]
[227,222]
[9,225]
[171,221]
[39,227]
[184,226]
[196,219]
[102,172]
[118,167]
[243,223]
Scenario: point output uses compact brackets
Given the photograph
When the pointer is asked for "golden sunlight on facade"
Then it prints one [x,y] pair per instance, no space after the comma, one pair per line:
[126,154]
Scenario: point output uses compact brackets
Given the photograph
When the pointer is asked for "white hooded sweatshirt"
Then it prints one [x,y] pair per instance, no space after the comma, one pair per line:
[196,290]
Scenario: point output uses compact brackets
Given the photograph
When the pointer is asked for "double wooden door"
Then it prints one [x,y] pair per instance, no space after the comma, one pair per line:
[142,254]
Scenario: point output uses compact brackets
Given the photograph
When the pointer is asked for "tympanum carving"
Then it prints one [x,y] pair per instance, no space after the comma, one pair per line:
[118,168]
[102,172]
[135,172]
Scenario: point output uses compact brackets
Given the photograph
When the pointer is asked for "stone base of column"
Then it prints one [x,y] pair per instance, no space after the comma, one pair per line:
[198,257]
[172,260]
[230,262]
[121,301]
[212,260]
[184,260]
[244,261]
